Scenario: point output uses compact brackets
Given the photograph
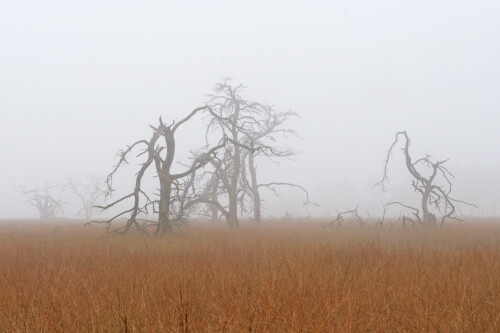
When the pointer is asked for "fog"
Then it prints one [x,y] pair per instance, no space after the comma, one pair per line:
[80,80]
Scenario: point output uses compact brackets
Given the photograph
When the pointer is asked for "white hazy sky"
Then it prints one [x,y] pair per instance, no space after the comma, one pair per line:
[81,79]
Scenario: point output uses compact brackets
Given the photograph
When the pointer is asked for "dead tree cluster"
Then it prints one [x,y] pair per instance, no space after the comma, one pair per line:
[431,180]
[47,199]
[221,180]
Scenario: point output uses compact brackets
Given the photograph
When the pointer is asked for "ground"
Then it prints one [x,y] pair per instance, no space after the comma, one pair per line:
[280,276]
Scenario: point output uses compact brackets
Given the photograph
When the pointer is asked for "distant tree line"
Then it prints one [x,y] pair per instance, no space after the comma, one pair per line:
[46,198]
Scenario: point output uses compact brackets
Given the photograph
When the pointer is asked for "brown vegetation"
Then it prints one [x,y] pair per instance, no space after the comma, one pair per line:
[280,277]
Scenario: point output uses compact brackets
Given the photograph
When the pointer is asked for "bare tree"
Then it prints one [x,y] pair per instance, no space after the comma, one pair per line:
[235,117]
[89,192]
[43,200]
[251,129]
[161,156]
[432,195]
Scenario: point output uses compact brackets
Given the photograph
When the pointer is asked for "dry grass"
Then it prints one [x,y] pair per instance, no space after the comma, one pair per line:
[271,278]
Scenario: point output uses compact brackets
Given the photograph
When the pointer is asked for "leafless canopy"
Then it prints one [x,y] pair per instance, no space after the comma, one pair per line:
[432,195]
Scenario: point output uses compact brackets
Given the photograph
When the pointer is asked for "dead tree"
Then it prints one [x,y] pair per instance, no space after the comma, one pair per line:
[43,200]
[251,128]
[433,196]
[159,156]
[89,193]
[235,117]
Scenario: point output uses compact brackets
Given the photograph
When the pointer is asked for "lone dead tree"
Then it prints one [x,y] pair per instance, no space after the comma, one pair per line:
[161,157]
[89,192]
[41,198]
[436,197]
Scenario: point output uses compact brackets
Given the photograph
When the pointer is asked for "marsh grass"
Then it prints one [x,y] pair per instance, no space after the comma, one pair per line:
[277,277]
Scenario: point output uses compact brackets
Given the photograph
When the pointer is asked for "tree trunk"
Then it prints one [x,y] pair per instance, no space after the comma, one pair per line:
[428,217]
[255,187]
[233,191]
[233,207]
[88,211]
[213,208]
[164,225]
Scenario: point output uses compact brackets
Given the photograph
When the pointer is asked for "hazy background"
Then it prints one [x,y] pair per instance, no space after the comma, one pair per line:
[81,79]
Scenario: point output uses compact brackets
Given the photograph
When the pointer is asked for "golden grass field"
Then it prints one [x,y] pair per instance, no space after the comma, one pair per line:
[281,277]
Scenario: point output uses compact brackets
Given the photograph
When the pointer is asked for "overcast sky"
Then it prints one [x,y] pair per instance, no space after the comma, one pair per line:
[81,79]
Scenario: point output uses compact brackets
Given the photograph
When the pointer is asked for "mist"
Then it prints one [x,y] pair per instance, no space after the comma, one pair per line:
[81,80]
